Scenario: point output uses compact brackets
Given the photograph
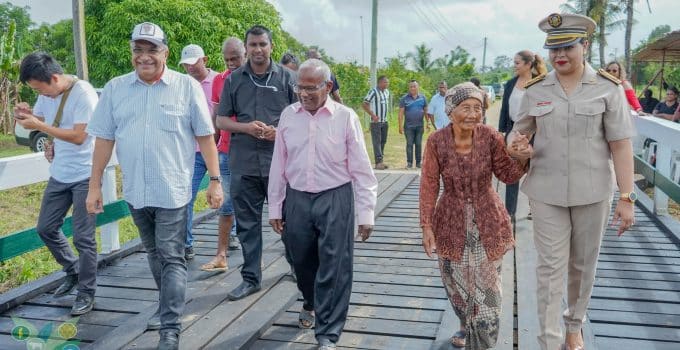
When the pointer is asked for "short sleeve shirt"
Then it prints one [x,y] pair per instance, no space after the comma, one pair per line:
[570,165]
[414,110]
[154,127]
[437,109]
[379,102]
[218,85]
[662,107]
[72,163]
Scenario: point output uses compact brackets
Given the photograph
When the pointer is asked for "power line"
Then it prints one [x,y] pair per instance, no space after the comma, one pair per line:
[429,23]
[434,9]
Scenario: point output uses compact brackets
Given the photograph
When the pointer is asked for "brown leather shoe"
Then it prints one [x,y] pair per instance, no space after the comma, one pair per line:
[380,166]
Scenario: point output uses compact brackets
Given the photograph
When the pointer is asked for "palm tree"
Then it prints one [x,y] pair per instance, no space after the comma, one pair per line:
[421,58]
[629,29]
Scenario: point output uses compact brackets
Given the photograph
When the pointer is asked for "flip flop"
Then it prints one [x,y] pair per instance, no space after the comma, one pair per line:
[458,339]
[306,319]
[213,267]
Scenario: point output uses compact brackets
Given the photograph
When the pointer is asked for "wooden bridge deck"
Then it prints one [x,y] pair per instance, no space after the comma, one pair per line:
[397,301]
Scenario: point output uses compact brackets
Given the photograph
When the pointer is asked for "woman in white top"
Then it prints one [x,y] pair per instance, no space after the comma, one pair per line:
[527,66]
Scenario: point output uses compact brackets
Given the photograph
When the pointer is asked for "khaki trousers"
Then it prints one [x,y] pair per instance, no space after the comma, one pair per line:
[565,237]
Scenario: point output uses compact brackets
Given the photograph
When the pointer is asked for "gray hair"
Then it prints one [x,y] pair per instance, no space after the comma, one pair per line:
[234,42]
[318,66]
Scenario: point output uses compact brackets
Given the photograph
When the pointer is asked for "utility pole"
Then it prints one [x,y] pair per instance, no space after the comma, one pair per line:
[363,45]
[374,43]
[484,56]
[79,47]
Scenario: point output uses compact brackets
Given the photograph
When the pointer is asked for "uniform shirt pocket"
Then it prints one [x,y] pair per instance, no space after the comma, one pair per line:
[543,117]
[589,118]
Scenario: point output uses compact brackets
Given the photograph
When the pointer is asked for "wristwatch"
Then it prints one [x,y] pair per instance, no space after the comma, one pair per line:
[629,197]
[215,178]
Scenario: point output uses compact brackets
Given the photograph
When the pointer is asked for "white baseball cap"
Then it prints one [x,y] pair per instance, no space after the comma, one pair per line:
[150,32]
[191,54]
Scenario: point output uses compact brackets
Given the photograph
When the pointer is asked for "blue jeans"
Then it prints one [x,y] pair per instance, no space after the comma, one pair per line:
[227,206]
[414,137]
[162,232]
[199,173]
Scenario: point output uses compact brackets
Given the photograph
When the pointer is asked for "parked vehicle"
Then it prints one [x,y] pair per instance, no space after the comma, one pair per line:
[31,138]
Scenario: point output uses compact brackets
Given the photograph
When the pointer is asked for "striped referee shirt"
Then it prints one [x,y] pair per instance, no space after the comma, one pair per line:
[154,127]
[379,100]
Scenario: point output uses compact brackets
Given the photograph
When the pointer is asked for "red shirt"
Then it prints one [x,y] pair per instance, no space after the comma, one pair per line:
[218,85]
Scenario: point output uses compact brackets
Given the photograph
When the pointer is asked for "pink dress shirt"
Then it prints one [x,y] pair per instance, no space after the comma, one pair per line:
[315,153]
[206,85]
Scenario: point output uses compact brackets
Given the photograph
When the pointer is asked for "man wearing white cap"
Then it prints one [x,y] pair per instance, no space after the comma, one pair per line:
[193,61]
[154,115]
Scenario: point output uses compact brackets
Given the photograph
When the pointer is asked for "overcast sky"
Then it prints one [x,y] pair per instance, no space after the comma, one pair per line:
[336,25]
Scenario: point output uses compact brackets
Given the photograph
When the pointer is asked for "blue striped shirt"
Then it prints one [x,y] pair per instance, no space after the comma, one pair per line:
[154,127]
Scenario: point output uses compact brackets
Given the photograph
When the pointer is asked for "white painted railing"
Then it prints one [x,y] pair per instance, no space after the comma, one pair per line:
[666,135]
[33,168]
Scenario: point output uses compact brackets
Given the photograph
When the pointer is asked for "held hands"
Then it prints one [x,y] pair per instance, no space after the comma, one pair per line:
[428,242]
[520,148]
[23,114]
[262,131]
[623,216]
[214,195]
[364,232]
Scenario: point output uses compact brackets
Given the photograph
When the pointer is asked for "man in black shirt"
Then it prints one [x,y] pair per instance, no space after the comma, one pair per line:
[648,102]
[256,93]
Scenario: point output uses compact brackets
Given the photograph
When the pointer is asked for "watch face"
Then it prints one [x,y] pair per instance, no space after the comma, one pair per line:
[633,196]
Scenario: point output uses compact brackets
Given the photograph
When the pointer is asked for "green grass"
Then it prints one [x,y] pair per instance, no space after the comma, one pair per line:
[20,208]
[9,147]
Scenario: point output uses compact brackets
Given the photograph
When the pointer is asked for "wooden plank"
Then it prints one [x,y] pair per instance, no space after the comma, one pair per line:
[368,245]
[634,318]
[639,275]
[387,278]
[9,343]
[525,265]
[634,306]
[639,267]
[102,318]
[401,270]
[638,284]
[398,301]
[606,343]
[101,303]
[249,326]
[348,339]
[221,316]
[637,332]
[360,251]
[400,290]
[389,195]
[364,260]
[375,326]
[386,313]
[639,259]
[507,321]
[637,294]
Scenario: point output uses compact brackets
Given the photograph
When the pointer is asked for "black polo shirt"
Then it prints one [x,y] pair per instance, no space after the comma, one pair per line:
[251,97]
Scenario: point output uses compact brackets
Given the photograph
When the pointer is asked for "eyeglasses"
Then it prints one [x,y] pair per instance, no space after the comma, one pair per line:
[612,70]
[152,52]
[308,89]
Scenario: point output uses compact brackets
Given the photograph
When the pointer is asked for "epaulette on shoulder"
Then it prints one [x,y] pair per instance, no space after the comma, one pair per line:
[608,76]
[534,81]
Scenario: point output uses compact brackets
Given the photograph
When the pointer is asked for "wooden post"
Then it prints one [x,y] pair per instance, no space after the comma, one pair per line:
[79,46]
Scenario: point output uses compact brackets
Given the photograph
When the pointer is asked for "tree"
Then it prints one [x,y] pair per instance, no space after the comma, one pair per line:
[22,23]
[629,5]
[8,76]
[502,62]
[421,58]
[109,23]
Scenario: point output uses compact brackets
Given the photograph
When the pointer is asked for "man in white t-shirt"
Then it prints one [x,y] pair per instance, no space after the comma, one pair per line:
[71,161]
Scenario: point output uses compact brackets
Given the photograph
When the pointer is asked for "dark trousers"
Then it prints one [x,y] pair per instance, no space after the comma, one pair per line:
[319,236]
[248,194]
[511,193]
[163,233]
[379,139]
[56,201]
[414,139]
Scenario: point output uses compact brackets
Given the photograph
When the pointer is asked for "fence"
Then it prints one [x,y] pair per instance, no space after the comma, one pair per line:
[33,168]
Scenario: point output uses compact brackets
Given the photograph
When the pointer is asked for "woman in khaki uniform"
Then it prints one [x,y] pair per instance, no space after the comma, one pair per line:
[581,120]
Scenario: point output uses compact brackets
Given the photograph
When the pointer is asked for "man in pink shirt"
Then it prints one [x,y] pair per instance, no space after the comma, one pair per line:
[234,54]
[319,168]
[193,61]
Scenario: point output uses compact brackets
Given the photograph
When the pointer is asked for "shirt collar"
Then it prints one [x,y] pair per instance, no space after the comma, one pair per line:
[166,77]
[209,78]
[589,76]
[329,106]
